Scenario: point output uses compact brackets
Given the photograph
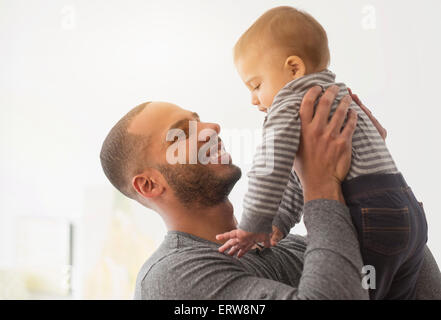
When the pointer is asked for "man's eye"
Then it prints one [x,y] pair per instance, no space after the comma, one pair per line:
[186,132]
[180,136]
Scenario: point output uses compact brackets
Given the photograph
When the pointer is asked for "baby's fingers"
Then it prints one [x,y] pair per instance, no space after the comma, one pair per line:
[267,243]
[264,239]
[233,250]
[229,244]
[276,236]
[227,235]
[244,250]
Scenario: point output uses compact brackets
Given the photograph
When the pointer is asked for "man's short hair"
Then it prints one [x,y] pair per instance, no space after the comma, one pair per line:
[123,154]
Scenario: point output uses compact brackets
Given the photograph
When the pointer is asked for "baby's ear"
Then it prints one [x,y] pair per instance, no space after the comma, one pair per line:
[295,66]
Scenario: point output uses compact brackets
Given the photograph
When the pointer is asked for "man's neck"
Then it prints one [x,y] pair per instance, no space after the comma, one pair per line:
[204,222]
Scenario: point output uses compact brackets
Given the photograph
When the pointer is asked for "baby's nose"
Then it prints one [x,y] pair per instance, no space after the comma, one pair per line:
[254,101]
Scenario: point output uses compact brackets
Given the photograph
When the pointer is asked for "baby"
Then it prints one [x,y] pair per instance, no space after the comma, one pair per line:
[282,55]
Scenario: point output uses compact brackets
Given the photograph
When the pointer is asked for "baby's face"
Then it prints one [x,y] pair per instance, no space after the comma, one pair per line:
[264,75]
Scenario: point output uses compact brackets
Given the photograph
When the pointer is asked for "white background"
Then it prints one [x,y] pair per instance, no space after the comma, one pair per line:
[70,69]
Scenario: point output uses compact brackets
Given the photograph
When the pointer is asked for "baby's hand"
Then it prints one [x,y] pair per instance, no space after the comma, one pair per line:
[242,241]
[276,236]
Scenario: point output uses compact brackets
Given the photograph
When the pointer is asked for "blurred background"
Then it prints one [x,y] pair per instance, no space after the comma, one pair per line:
[70,69]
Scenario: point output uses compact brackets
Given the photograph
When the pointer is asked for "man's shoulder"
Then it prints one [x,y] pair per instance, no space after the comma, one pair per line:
[294,242]
[153,272]
[171,268]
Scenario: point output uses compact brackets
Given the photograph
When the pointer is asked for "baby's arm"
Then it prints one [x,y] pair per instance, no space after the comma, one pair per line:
[290,209]
[273,162]
[268,178]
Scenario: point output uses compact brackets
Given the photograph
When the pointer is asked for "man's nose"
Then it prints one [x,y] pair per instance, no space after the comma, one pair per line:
[212,126]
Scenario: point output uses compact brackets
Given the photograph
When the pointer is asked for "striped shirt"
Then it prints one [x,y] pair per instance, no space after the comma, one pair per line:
[274,190]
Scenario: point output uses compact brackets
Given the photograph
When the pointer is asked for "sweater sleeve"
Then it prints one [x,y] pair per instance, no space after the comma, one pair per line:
[428,286]
[272,164]
[290,209]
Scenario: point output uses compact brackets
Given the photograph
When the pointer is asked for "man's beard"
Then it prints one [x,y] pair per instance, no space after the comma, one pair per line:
[199,185]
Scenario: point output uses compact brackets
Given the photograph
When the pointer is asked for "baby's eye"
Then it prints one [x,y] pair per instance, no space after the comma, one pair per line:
[257,87]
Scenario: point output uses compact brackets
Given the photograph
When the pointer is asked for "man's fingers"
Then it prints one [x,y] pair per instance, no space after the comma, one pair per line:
[339,116]
[378,126]
[355,97]
[351,124]
[365,109]
[307,106]
[358,101]
[324,106]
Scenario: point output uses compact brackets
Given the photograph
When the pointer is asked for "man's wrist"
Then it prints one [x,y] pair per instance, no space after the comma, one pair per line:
[330,191]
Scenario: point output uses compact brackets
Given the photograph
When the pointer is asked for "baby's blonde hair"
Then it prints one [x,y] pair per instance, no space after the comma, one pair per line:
[292,30]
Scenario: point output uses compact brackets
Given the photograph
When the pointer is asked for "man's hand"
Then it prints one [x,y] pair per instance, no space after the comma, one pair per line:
[378,126]
[324,156]
[240,241]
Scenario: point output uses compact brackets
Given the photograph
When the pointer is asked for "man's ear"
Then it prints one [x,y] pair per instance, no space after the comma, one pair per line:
[295,66]
[147,184]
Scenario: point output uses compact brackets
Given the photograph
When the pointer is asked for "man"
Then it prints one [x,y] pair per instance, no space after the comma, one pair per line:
[193,201]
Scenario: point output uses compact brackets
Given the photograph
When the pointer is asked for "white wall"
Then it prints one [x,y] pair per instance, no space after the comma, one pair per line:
[70,69]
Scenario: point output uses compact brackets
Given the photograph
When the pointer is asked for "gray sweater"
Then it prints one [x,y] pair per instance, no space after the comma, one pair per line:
[325,265]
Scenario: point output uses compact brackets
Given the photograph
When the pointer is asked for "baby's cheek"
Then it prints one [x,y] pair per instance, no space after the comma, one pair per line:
[266,99]
[271,96]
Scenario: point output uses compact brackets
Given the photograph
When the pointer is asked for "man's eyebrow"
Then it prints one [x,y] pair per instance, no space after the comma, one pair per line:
[182,122]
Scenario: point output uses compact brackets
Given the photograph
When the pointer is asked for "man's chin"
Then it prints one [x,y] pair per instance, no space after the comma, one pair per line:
[202,184]
[225,165]
[228,175]
[236,172]
[223,179]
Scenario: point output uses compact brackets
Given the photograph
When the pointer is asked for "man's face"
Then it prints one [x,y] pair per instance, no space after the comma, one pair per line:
[193,180]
